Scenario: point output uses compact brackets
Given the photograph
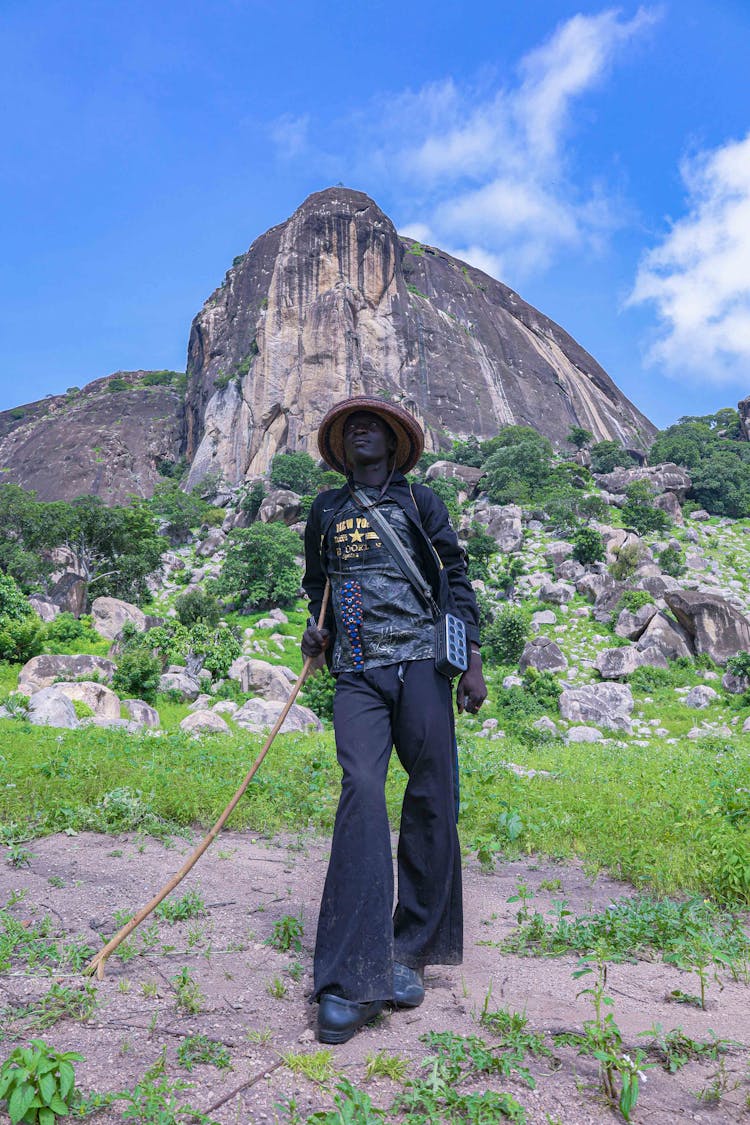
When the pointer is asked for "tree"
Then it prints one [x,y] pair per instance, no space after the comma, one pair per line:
[115,549]
[607,455]
[639,511]
[721,484]
[579,437]
[26,532]
[182,511]
[588,546]
[197,605]
[480,548]
[296,471]
[467,452]
[447,490]
[261,567]
[520,465]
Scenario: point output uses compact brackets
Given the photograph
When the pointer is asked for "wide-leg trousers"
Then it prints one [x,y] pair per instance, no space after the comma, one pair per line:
[408,706]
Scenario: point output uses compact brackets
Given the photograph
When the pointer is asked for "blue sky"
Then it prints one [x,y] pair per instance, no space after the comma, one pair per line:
[596,159]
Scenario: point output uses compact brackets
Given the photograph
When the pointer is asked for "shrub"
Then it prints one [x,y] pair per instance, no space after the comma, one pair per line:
[318,694]
[22,639]
[480,548]
[520,465]
[215,648]
[137,674]
[639,511]
[579,437]
[672,561]
[261,568]
[66,628]
[251,498]
[447,490]
[633,600]
[296,471]
[739,664]
[504,639]
[607,455]
[13,603]
[588,546]
[38,1083]
[117,383]
[467,452]
[197,605]
[626,562]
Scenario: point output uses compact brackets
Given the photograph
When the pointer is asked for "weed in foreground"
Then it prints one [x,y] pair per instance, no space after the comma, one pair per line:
[189,997]
[674,1049]
[191,905]
[157,1101]
[287,934]
[38,1083]
[34,945]
[315,1065]
[381,1064]
[197,1049]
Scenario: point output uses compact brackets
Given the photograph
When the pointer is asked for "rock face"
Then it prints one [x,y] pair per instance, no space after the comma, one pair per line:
[110,614]
[716,627]
[101,441]
[332,302]
[744,409]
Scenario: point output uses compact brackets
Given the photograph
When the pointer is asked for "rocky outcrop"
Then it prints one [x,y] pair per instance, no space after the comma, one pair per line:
[716,627]
[502,522]
[259,715]
[108,439]
[543,654]
[665,477]
[744,411]
[102,700]
[269,680]
[332,302]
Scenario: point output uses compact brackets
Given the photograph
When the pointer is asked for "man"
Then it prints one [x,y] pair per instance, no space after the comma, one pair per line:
[379,640]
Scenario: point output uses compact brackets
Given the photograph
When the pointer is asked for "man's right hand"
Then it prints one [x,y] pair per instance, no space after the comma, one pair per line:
[314,640]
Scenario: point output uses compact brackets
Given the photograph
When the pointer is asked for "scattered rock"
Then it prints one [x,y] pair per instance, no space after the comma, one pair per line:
[267,680]
[701,515]
[260,715]
[667,636]
[716,627]
[546,724]
[51,708]
[44,608]
[201,703]
[181,681]
[543,654]
[607,705]
[42,671]
[556,592]
[584,734]
[280,506]
[735,685]
[204,722]
[700,697]
[141,712]
[502,523]
[615,663]
[541,618]
[110,614]
[102,700]
[631,625]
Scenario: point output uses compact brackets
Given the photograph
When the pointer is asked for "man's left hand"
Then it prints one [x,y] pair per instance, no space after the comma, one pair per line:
[472,690]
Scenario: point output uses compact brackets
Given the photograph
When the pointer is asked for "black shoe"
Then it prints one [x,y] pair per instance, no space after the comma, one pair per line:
[338,1019]
[408,986]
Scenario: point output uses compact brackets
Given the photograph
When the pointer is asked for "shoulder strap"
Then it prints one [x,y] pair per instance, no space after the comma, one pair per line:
[391,540]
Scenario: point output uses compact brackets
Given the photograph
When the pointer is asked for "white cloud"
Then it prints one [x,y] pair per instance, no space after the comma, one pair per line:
[698,276]
[289,134]
[492,166]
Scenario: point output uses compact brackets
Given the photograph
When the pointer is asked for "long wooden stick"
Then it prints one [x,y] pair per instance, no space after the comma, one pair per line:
[97,963]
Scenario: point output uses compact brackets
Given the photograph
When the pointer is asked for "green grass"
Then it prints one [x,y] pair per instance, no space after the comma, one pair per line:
[666,817]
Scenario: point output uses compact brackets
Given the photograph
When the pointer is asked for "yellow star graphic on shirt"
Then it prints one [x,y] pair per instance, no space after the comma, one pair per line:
[356,536]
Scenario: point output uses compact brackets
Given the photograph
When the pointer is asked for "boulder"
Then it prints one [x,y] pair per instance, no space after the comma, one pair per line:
[607,601]
[614,663]
[605,705]
[50,708]
[204,722]
[449,470]
[260,715]
[102,700]
[200,703]
[213,542]
[592,584]
[280,506]
[511,682]
[543,654]
[631,625]
[652,656]
[44,608]
[110,614]
[42,671]
[142,713]
[662,478]
[225,707]
[667,636]
[558,593]
[546,724]
[558,552]
[503,523]
[715,625]
[700,697]
[743,406]
[700,515]
[746,726]
[669,503]
[541,618]
[735,685]
[569,570]
[657,585]
[584,734]
[69,593]
[188,686]
[267,680]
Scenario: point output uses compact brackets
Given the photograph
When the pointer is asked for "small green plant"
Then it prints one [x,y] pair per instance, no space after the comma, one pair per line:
[18,856]
[504,638]
[287,934]
[739,665]
[588,546]
[276,988]
[38,1083]
[157,1101]
[381,1064]
[674,1049]
[199,1049]
[189,997]
[318,694]
[626,562]
[315,1065]
[191,905]
[672,561]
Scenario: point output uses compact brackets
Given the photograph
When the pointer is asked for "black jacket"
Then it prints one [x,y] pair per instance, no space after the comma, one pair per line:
[446,573]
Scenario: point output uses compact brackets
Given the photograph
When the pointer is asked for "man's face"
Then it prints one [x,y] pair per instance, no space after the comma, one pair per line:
[367,439]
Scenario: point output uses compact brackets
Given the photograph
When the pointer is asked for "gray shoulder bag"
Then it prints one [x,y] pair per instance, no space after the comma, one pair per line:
[451,655]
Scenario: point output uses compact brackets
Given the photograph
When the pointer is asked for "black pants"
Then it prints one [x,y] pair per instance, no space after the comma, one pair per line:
[409,706]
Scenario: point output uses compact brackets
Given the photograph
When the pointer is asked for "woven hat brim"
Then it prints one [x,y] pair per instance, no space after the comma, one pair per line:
[409,434]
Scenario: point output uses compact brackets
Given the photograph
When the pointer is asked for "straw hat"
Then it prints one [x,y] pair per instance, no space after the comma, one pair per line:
[408,432]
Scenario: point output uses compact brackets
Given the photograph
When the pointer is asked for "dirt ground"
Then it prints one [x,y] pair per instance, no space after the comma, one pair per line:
[248,884]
